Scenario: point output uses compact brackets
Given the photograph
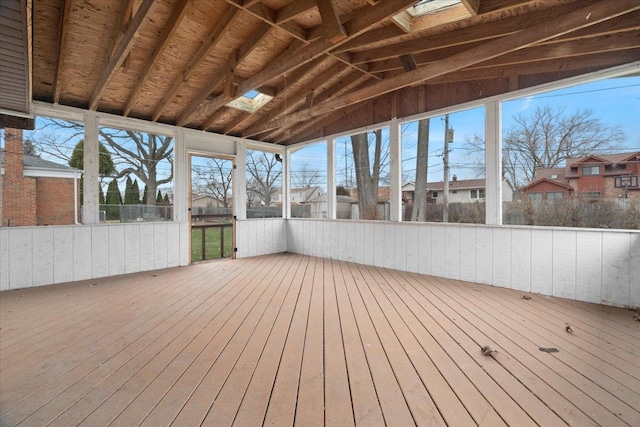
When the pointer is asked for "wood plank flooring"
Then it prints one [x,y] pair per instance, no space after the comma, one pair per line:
[293,340]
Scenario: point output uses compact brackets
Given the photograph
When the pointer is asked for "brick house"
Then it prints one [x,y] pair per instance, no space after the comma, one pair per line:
[35,191]
[611,176]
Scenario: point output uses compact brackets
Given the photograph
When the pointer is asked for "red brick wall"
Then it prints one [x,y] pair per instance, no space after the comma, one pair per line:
[54,200]
[18,192]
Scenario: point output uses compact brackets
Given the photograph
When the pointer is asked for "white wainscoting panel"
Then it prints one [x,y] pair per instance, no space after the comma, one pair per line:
[600,266]
[256,237]
[37,256]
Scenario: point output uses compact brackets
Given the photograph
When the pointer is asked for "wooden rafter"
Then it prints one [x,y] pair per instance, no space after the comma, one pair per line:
[247,48]
[351,81]
[62,49]
[554,27]
[268,16]
[376,35]
[462,36]
[126,14]
[293,9]
[122,50]
[473,6]
[584,62]
[293,58]
[178,14]
[215,117]
[214,38]
[280,94]
[333,29]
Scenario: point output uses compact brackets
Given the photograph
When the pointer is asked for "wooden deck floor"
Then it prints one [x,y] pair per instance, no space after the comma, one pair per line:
[287,339]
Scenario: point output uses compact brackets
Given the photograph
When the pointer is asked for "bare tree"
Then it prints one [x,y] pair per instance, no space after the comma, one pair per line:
[133,152]
[264,172]
[305,177]
[419,210]
[367,174]
[549,136]
[214,178]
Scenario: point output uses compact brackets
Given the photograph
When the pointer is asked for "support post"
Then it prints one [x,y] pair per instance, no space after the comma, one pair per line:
[286,184]
[240,181]
[331,178]
[493,162]
[181,165]
[396,171]
[90,207]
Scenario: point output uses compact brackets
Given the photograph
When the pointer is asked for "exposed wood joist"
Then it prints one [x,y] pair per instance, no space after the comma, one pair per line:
[293,58]
[214,38]
[624,35]
[214,118]
[126,14]
[177,15]
[554,27]
[585,62]
[351,81]
[281,94]
[293,9]
[463,36]
[268,16]
[122,50]
[238,56]
[473,6]
[372,37]
[62,49]
[333,29]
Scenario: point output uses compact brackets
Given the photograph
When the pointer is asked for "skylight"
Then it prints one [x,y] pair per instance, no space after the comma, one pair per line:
[429,6]
[251,101]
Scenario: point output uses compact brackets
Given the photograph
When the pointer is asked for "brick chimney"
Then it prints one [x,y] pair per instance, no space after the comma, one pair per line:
[18,192]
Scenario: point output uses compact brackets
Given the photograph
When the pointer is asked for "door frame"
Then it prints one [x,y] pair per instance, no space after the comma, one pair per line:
[213,155]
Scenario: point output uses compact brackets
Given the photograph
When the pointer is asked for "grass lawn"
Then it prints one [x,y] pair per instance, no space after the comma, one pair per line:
[212,243]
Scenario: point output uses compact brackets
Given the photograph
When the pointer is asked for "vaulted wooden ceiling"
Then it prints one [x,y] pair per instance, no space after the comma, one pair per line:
[329,65]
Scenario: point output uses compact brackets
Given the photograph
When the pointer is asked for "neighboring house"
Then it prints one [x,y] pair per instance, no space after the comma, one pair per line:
[383,207]
[205,201]
[35,191]
[299,195]
[460,191]
[613,176]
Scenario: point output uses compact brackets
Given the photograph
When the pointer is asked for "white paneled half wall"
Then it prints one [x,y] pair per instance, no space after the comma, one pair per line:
[36,256]
[592,265]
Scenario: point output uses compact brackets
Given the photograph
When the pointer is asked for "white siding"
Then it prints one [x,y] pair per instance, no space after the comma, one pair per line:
[601,266]
[256,237]
[37,256]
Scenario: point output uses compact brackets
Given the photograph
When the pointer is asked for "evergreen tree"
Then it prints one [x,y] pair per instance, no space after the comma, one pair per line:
[135,191]
[159,198]
[129,197]
[113,199]
[105,164]
[165,199]
[144,195]
[101,200]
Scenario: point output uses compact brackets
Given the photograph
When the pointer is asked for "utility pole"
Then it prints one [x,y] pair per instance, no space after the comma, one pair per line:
[448,139]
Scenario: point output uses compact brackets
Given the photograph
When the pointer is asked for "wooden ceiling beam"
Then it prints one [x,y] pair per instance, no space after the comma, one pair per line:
[604,34]
[585,62]
[369,38]
[293,9]
[294,57]
[268,16]
[62,49]
[554,27]
[472,6]
[225,73]
[284,89]
[212,40]
[214,118]
[345,58]
[333,29]
[464,36]
[177,15]
[126,14]
[125,45]
[341,87]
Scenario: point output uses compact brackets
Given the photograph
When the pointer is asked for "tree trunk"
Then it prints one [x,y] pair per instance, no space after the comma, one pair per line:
[419,211]
[366,181]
